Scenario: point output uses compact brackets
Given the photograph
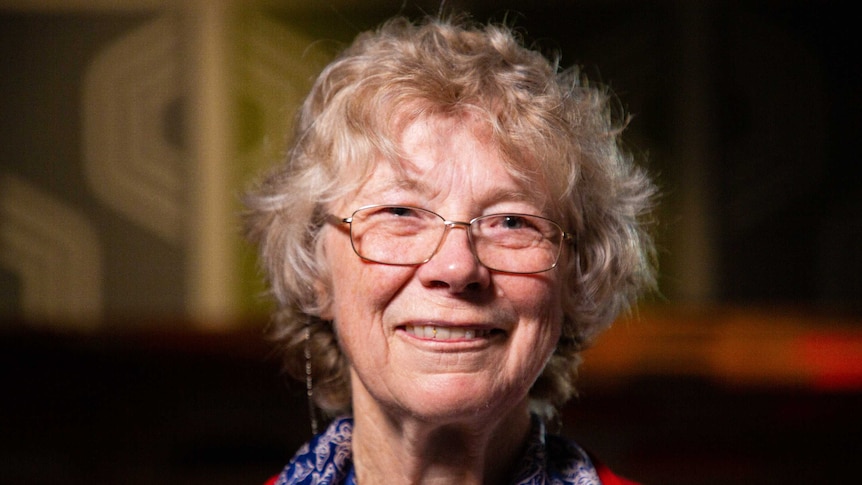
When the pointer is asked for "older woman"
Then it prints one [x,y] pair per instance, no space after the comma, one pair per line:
[454,223]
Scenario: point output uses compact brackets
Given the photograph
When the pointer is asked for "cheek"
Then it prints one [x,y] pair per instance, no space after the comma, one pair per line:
[361,292]
[537,301]
[357,285]
[533,295]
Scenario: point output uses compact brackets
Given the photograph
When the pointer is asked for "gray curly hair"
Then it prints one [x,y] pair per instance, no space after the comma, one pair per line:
[552,126]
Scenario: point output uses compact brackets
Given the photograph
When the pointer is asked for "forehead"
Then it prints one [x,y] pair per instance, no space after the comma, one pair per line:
[442,153]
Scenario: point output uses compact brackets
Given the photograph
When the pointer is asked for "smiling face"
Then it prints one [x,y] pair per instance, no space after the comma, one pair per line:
[448,339]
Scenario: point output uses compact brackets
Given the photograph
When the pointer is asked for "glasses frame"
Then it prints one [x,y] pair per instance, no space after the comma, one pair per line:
[565,237]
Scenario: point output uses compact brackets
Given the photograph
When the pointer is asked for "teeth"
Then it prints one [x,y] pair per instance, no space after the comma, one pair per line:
[445,333]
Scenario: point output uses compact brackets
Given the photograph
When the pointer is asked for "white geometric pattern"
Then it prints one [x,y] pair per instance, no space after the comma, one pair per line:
[55,252]
[129,161]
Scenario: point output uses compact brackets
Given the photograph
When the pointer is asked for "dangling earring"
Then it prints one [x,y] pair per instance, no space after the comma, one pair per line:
[309,387]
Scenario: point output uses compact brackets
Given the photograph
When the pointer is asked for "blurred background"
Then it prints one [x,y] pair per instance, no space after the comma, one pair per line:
[132,344]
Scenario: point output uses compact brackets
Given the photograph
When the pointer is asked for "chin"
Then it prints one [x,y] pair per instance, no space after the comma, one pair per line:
[450,405]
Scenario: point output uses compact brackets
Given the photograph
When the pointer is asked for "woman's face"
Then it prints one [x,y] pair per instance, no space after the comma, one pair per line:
[447,339]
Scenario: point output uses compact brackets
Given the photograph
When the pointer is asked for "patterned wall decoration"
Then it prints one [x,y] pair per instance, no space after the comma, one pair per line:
[66,259]
[130,164]
[56,252]
[98,172]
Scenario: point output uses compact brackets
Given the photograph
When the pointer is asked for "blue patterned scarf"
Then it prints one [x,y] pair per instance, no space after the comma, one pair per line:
[548,460]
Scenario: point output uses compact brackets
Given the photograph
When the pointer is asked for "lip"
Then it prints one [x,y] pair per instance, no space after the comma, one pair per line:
[450,333]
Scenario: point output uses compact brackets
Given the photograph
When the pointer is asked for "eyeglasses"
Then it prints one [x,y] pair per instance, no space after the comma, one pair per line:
[408,236]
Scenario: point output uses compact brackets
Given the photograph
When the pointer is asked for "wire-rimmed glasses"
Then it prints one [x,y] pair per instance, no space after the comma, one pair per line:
[407,236]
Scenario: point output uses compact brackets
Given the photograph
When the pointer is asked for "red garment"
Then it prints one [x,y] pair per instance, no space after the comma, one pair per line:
[608,478]
[605,475]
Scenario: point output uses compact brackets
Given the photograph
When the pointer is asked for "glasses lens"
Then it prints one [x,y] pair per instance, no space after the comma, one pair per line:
[511,243]
[396,234]
[517,243]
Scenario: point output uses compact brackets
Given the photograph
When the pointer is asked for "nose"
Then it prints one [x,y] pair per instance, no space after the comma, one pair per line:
[454,265]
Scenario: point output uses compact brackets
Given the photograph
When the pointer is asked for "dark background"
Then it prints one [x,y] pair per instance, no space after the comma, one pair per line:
[747,112]
[170,408]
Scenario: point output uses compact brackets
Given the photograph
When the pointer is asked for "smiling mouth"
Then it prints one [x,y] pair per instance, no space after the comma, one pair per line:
[447,333]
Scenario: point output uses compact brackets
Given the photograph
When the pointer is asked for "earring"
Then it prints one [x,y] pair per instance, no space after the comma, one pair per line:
[309,385]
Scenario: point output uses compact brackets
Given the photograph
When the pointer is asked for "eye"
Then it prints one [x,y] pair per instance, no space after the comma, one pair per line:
[513,225]
[514,222]
[392,212]
[401,211]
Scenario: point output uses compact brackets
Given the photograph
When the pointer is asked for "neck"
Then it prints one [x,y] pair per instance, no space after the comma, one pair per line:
[394,448]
